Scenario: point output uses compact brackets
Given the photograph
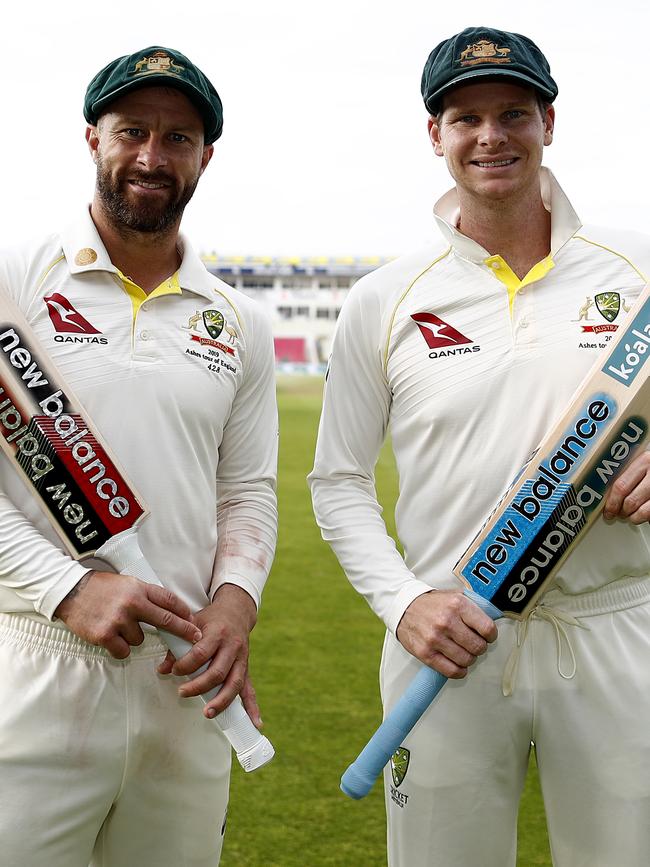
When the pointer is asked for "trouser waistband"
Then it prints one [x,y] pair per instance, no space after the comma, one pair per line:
[562,610]
[36,631]
[620,594]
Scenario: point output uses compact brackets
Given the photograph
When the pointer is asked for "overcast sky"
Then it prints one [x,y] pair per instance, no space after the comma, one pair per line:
[325,150]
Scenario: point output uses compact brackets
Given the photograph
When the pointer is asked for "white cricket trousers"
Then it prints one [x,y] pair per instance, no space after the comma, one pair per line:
[581,694]
[101,762]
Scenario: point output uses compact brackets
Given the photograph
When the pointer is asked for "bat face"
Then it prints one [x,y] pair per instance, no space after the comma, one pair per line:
[64,462]
[561,490]
[44,433]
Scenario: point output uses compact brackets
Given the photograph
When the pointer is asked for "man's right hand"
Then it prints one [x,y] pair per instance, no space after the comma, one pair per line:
[106,609]
[446,631]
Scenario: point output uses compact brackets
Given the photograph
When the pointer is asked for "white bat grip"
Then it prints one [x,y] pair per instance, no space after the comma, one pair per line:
[253,749]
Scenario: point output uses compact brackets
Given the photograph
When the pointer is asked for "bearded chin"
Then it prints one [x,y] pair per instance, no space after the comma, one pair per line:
[144,217]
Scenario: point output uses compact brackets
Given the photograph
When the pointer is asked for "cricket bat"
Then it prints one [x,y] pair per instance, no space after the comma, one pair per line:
[50,440]
[547,509]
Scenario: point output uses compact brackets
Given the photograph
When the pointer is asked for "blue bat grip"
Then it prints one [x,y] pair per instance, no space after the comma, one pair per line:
[360,777]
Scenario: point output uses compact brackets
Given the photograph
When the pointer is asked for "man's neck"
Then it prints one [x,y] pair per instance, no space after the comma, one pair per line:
[519,232]
[146,258]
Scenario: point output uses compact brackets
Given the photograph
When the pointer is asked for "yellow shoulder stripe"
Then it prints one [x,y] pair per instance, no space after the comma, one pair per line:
[234,308]
[43,276]
[402,297]
[614,252]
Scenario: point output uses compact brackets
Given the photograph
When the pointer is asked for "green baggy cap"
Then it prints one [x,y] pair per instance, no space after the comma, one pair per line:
[479,52]
[155,66]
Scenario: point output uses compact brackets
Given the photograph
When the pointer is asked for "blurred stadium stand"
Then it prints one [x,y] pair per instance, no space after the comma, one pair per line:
[303,297]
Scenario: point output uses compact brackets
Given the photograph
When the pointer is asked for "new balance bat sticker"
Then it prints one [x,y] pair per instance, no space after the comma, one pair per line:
[553,500]
[51,441]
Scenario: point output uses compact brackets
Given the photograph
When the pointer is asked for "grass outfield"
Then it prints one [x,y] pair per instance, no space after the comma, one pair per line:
[315,660]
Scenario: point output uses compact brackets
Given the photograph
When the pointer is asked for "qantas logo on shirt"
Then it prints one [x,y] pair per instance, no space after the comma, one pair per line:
[441,337]
[67,320]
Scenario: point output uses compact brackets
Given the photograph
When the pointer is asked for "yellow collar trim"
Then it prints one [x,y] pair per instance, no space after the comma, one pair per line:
[503,272]
[170,286]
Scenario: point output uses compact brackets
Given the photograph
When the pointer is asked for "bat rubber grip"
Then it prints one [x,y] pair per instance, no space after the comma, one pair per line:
[360,777]
[252,748]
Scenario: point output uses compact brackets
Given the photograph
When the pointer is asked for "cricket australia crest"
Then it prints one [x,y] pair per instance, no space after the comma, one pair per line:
[214,322]
[204,328]
[399,763]
[608,305]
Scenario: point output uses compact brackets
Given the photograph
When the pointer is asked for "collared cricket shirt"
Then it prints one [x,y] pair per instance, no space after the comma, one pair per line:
[180,383]
[466,367]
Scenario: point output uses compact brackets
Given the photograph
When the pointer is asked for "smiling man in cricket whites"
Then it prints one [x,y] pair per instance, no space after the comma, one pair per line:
[468,350]
[104,759]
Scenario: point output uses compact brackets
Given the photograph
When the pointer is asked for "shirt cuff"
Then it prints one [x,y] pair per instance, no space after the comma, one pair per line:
[239,581]
[53,598]
[406,595]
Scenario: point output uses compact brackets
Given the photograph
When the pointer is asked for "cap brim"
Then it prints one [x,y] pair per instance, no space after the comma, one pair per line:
[434,100]
[160,80]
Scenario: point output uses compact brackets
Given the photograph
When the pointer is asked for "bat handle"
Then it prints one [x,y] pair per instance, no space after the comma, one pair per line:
[360,777]
[253,749]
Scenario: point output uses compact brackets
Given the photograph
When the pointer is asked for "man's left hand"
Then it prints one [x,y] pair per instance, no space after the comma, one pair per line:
[629,496]
[225,625]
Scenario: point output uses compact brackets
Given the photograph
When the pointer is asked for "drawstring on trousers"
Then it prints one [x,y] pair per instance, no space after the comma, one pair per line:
[557,619]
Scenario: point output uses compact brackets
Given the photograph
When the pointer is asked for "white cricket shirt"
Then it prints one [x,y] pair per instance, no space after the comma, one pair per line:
[467,367]
[191,417]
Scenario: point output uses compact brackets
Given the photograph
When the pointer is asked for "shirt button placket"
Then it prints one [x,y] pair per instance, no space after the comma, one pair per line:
[524,320]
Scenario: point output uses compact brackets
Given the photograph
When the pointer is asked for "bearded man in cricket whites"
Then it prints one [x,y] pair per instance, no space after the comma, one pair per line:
[104,759]
[468,350]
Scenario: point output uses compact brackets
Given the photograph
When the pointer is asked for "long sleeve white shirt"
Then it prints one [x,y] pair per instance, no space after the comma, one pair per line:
[466,367]
[191,419]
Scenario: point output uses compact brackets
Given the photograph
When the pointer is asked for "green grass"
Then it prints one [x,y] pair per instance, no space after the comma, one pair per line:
[315,657]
